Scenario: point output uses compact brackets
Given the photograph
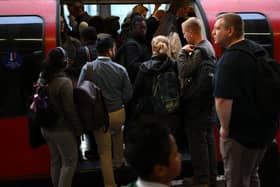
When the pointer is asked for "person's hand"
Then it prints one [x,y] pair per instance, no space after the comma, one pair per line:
[188,48]
[157,5]
[224,132]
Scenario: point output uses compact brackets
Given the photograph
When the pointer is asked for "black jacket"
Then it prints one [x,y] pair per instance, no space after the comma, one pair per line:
[197,93]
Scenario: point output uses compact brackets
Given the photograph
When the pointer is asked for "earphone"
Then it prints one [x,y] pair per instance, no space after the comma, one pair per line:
[64,63]
[63,52]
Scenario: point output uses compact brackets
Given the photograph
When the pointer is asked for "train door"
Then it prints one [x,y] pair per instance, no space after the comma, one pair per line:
[27,32]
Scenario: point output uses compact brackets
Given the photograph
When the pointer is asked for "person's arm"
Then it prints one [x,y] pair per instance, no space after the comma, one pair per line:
[157,5]
[69,109]
[223,108]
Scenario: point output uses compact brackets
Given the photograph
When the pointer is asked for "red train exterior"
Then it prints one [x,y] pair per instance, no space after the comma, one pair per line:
[17,158]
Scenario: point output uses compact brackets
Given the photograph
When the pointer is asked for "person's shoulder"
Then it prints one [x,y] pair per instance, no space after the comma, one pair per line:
[118,66]
[206,46]
[241,49]
[242,44]
[61,80]
[74,40]
[131,41]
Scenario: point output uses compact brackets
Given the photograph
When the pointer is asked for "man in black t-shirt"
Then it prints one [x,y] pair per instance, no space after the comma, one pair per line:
[244,136]
[81,17]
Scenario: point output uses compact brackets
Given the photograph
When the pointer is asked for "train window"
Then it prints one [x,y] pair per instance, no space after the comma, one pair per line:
[21,42]
[104,10]
[89,8]
[118,9]
[258,29]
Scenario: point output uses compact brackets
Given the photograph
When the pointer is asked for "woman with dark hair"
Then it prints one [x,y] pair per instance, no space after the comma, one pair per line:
[61,135]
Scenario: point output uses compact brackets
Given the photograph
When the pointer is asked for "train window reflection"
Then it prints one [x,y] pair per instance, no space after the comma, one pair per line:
[21,37]
[258,28]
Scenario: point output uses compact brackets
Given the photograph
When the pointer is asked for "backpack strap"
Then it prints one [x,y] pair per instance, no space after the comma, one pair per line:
[89,73]
[87,53]
[205,55]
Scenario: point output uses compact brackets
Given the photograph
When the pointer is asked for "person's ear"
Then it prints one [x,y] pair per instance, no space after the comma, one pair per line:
[112,52]
[230,31]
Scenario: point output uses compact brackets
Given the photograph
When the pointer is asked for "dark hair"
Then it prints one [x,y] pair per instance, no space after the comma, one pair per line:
[146,145]
[97,22]
[88,34]
[111,24]
[55,61]
[136,19]
[104,43]
[77,4]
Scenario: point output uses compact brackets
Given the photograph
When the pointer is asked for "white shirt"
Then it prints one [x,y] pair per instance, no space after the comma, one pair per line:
[143,183]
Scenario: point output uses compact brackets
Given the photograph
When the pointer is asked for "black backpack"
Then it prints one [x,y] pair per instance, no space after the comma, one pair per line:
[267,82]
[166,91]
[41,112]
[190,84]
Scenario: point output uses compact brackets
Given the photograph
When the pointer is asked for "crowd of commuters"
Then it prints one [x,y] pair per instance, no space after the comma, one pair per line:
[125,66]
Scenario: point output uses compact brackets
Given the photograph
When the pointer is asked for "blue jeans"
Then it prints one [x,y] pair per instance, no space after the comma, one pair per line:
[240,163]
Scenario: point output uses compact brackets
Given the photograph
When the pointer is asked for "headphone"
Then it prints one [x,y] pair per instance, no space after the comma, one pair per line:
[64,56]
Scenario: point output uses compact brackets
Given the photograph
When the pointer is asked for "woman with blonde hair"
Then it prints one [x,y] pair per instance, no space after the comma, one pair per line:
[175,45]
[160,45]
[156,88]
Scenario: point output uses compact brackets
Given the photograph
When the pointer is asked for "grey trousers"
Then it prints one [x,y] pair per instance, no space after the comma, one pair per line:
[64,156]
[202,147]
[240,163]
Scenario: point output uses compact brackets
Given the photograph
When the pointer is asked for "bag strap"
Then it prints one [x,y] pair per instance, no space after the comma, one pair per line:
[87,53]
[246,51]
[204,54]
[89,73]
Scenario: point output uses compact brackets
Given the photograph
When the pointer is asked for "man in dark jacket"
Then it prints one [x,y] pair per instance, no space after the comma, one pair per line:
[197,102]
[134,51]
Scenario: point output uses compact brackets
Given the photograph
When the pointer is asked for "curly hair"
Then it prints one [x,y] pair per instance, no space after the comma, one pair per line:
[160,45]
